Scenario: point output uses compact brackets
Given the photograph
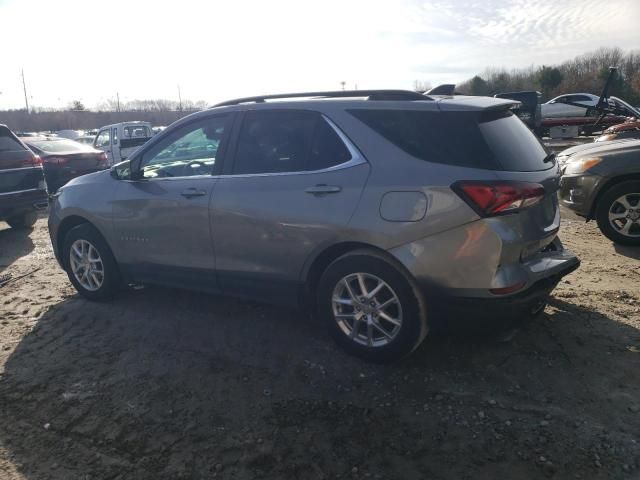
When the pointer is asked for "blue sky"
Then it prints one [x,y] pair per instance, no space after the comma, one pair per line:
[89,50]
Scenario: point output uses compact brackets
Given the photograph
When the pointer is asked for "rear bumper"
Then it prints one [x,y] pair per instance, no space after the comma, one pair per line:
[468,313]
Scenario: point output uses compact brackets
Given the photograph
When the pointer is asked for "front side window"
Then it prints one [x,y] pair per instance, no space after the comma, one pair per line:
[103,139]
[188,151]
[278,141]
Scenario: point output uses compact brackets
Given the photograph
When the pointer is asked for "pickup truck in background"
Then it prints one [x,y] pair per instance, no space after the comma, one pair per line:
[120,140]
[22,186]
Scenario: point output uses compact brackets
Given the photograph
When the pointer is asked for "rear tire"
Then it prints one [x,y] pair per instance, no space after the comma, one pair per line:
[89,263]
[611,214]
[362,329]
[23,221]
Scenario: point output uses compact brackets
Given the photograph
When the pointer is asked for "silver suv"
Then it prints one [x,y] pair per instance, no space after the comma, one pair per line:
[387,212]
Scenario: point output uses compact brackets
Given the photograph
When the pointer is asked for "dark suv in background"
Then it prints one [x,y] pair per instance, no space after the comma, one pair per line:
[22,186]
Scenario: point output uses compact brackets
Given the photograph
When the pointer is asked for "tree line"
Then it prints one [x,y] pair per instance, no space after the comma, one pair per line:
[586,73]
[77,117]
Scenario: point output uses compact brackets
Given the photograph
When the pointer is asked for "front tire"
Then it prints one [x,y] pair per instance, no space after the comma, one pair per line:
[618,213]
[89,263]
[23,221]
[371,308]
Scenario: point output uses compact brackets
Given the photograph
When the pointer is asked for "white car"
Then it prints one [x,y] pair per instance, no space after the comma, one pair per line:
[122,139]
[560,106]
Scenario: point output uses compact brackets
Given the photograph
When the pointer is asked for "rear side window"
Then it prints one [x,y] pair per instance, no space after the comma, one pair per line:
[486,140]
[278,141]
[8,143]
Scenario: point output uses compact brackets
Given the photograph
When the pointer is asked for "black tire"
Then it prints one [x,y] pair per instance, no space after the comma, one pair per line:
[111,281]
[605,203]
[23,221]
[414,322]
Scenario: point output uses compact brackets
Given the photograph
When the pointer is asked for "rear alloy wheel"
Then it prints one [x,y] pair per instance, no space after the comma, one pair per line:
[618,213]
[26,220]
[370,307]
[366,309]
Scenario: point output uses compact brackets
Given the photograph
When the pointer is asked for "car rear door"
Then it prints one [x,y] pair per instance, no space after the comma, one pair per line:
[293,185]
[161,220]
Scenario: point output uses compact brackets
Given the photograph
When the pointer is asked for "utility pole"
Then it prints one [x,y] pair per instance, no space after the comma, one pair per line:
[343,83]
[24,87]
[179,99]
[118,101]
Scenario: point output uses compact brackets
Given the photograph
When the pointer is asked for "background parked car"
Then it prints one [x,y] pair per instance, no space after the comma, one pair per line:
[22,186]
[64,159]
[601,181]
[560,107]
[122,139]
[628,129]
[86,139]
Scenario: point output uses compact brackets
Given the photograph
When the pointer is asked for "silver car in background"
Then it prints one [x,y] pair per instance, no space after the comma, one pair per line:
[387,212]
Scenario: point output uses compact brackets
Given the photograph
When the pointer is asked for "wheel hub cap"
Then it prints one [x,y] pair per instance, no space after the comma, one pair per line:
[366,309]
[86,265]
[624,215]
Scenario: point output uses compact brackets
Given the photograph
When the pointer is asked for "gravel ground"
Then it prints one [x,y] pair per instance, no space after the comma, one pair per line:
[167,384]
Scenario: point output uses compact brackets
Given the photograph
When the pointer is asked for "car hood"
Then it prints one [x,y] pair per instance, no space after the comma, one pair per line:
[598,148]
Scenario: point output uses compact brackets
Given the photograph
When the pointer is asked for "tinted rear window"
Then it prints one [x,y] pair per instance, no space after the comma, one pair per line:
[8,143]
[487,140]
[56,146]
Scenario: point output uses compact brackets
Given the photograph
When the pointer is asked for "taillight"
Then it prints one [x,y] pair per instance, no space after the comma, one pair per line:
[34,161]
[490,198]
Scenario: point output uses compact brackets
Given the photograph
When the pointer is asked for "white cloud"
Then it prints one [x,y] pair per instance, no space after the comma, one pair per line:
[89,50]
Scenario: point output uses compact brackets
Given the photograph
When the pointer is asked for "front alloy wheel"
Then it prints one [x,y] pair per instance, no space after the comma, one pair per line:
[86,265]
[89,263]
[624,215]
[618,213]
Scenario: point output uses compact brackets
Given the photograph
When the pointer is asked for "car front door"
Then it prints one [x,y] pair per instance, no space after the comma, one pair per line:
[161,217]
[103,142]
[293,186]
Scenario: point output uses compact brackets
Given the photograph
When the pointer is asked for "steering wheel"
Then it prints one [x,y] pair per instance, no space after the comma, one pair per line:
[193,165]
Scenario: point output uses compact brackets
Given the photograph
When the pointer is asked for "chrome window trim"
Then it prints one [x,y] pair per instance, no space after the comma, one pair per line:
[356,159]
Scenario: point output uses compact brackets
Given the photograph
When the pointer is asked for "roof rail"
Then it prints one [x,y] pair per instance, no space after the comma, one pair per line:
[370,94]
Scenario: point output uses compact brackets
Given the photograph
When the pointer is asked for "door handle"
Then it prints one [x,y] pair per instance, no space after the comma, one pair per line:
[193,192]
[323,189]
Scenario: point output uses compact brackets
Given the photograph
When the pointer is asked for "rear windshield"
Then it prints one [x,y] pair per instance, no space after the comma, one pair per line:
[487,140]
[137,131]
[57,146]
[8,143]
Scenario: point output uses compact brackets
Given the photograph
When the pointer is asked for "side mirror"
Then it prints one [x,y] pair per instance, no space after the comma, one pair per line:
[122,171]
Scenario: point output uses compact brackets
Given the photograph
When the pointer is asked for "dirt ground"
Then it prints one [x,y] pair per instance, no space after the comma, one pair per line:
[167,384]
